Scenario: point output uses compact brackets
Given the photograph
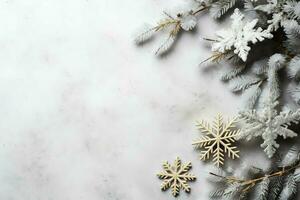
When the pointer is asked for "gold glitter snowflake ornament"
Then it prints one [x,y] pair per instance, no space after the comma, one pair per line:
[217,140]
[176,176]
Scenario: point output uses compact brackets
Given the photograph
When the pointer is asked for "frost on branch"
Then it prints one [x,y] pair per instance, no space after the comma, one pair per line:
[269,7]
[293,68]
[219,8]
[176,20]
[292,32]
[238,37]
[278,182]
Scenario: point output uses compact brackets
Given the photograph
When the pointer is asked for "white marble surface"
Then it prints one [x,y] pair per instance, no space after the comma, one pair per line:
[87,115]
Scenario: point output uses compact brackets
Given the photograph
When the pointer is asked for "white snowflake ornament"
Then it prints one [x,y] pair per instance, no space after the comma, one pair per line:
[238,37]
[269,123]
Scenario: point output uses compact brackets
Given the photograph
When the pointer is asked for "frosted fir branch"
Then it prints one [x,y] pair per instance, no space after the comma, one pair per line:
[270,7]
[146,32]
[252,94]
[295,94]
[276,186]
[233,44]
[293,68]
[167,44]
[292,32]
[277,182]
[219,8]
[182,20]
[262,189]
[248,5]
[289,189]
[260,67]
[243,82]
[233,72]
[216,57]
[291,157]
[276,62]
[292,9]
[261,181]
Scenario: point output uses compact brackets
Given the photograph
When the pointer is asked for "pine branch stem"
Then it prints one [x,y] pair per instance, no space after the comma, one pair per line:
[200,10]
[252,182]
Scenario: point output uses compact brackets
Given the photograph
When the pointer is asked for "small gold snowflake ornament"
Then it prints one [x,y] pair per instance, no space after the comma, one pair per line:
[217,140]
[176,177]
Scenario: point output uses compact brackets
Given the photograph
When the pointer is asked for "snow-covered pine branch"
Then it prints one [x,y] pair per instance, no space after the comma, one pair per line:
[220,7]
[243,82]
[273,183]
[182,18]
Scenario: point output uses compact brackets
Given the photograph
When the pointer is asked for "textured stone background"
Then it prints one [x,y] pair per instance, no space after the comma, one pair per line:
[87,115]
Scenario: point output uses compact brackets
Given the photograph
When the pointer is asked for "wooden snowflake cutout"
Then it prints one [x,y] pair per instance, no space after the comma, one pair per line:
[176,177]
[217,140]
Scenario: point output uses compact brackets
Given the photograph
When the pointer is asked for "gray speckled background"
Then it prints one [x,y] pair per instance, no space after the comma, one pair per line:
[87,115]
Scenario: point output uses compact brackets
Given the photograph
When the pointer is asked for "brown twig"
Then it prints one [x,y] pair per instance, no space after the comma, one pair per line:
[248,184]
[216,57]
[200,10]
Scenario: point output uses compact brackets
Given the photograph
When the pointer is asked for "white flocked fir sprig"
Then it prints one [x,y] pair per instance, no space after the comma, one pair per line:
[277,182]
[182,18]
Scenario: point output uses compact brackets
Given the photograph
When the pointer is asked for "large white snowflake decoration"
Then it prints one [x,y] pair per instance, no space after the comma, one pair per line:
[238,37]
[269,125]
